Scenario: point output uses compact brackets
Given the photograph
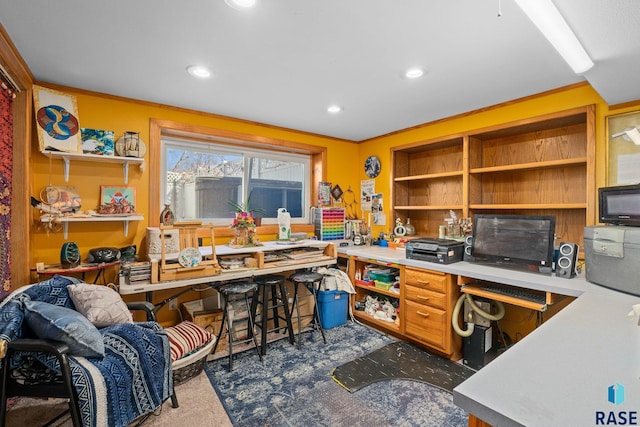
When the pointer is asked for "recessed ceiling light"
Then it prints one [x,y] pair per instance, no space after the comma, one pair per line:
[241,4]
[334,109]
[199,71]
[414,73]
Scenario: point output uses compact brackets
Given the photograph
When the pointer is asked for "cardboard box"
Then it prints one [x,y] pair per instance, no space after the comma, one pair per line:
[207,314]
[203,313]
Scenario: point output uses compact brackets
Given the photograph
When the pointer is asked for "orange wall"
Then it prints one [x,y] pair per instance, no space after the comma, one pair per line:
[571,97]
[119,115]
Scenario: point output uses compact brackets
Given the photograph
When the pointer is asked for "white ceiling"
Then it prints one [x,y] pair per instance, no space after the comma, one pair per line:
[284,62]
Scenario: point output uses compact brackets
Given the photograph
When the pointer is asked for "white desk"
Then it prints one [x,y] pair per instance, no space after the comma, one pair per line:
[559,374]
[226,275]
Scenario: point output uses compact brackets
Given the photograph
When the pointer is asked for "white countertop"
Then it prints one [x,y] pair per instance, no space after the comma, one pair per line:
[560,373]
[264,247]
[226,275]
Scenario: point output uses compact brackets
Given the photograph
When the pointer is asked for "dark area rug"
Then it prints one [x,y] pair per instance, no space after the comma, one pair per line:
[294,387]
[401,360]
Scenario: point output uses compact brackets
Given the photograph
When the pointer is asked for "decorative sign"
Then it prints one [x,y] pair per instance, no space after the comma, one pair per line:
[57,119]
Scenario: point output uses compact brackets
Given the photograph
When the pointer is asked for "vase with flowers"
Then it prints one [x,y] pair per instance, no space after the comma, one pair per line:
[244,224]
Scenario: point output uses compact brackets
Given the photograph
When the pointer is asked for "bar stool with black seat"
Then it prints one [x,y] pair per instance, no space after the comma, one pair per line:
[312,281]
[271,296]
[232,292]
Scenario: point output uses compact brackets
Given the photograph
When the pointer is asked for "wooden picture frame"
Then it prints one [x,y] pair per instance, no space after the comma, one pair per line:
[57,120]
[116,200]
[623,153]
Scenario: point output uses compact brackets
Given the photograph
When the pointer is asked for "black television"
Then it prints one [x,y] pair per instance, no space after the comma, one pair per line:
[521,242]
[620,205]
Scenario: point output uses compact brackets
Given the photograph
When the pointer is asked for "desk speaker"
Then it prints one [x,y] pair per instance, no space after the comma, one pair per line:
[567,260]
[468,249]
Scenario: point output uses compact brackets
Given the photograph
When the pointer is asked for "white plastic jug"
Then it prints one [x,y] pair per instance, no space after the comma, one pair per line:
[284,224]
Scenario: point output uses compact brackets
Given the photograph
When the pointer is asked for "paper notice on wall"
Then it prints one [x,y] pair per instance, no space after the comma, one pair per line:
[628,169]
[367,189]
[379,219]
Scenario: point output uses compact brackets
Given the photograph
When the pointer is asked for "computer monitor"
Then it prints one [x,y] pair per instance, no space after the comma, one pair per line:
[620,205]
[522,242]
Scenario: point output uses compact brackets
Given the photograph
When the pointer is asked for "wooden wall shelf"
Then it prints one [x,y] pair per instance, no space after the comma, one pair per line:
[534,165]
[428,176]
[537,166]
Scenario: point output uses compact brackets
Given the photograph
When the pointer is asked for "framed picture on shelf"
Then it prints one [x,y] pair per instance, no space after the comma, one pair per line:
[623,149]
[116,200]
[57,120]
[96,141]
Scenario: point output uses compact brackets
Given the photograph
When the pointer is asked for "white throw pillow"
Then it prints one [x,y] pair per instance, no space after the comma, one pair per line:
[100,304]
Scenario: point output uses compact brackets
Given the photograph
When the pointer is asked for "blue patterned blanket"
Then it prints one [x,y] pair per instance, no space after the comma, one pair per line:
[133,378]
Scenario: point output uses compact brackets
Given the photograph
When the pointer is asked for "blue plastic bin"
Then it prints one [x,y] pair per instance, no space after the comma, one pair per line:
[333,307]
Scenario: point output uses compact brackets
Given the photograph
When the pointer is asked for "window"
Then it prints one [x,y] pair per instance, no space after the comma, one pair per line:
[199,178]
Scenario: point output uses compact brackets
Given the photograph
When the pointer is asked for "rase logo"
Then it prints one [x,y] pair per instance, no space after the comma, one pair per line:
[615,396]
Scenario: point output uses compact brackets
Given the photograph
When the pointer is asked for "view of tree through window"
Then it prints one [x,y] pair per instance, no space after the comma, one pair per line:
[201,179]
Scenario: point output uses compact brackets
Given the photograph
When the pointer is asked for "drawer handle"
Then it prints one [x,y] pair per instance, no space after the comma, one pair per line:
[425,282]
[422,314]
[422,297]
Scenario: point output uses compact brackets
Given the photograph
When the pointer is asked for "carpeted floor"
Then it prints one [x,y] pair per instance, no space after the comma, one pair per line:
[199,406]
[295,388]
[290,388]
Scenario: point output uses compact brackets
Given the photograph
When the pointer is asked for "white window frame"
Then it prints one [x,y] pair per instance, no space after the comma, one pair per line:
[168,142]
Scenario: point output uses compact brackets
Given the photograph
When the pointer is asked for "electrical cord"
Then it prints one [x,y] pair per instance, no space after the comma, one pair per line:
[471,326]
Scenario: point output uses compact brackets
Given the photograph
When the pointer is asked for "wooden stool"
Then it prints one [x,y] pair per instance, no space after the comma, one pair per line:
[271,295]
[311,281]
[237,291]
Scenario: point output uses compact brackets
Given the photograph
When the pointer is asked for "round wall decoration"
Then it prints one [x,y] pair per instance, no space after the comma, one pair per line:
[57,122]
[372,166]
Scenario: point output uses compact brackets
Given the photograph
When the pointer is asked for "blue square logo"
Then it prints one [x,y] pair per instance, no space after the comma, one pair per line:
[616,394]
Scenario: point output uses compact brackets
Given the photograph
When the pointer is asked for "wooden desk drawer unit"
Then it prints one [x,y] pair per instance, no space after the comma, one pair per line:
[427,280]
[426,324]
[429,297]
[425,296]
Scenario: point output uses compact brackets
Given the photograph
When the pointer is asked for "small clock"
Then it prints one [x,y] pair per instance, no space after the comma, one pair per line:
[358,240]
[372,166]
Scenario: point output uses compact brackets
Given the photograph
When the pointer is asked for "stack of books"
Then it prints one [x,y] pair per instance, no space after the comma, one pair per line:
[137,273]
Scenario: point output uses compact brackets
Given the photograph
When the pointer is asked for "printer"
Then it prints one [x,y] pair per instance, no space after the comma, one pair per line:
[442,251]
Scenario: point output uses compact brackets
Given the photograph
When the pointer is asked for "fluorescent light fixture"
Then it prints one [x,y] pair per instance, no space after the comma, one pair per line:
[334,109]
[545,15]
[240,4]
[414,73]
[631,134]
[199,71]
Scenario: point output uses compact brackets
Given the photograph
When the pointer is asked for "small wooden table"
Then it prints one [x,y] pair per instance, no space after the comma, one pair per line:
[82,269]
